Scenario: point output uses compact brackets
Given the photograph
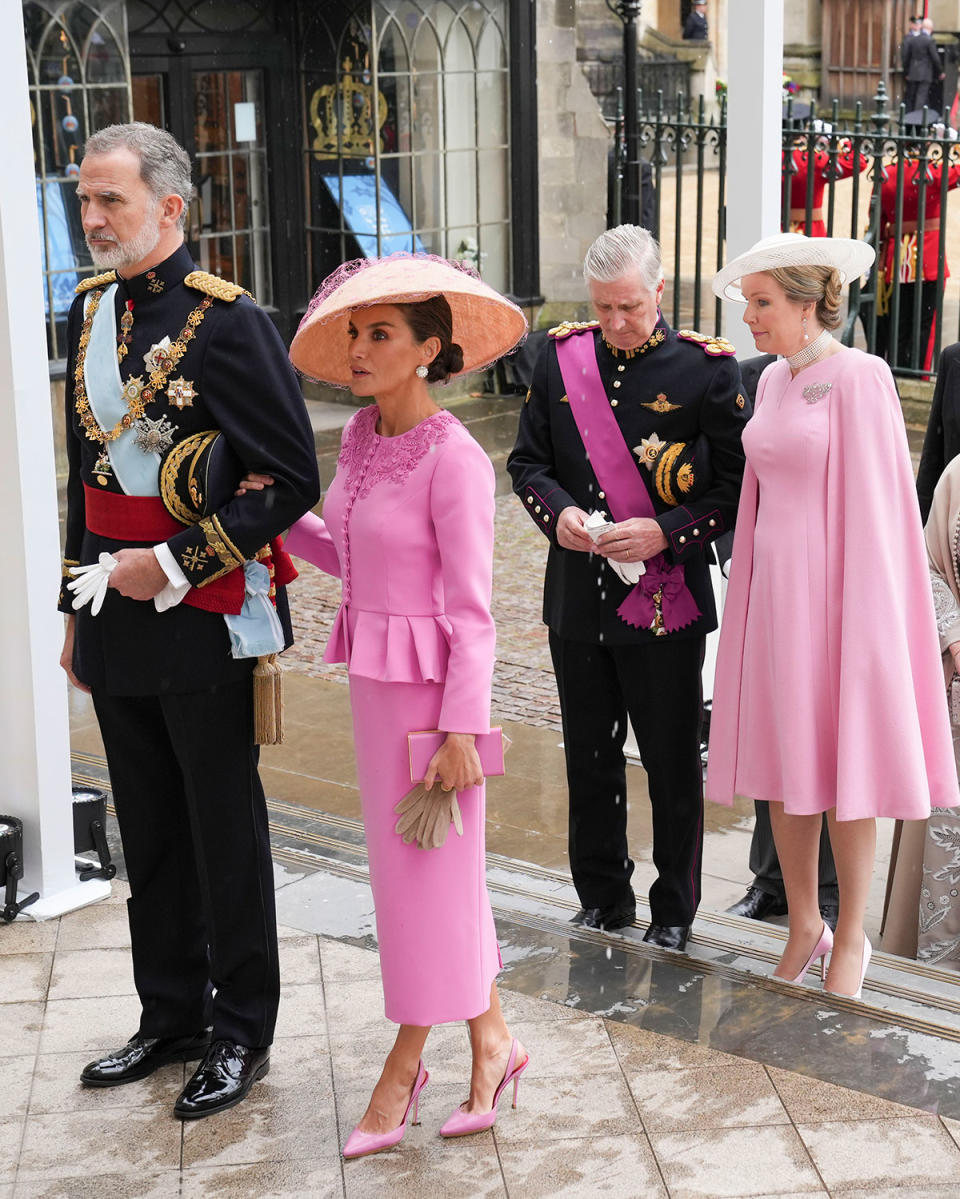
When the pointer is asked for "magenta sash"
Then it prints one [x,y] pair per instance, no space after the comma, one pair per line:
[619,477]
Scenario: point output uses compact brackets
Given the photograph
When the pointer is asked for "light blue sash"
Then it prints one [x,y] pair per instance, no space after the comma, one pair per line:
[256,629]
[137,472]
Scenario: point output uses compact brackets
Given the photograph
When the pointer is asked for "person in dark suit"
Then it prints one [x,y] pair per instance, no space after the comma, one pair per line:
[941,443]
[921,65]
[624,648]
[766,895]
[695,26]
[161,359]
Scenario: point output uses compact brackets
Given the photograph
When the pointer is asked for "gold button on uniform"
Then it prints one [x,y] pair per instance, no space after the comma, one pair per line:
[616,382]
[601,495]
[682,540]
[613,403]
[621,367]
[529,499]
[712,523]
[696,532]
[537,509]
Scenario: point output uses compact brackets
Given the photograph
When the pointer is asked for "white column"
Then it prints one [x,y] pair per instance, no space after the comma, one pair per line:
[34,726]
[754,119]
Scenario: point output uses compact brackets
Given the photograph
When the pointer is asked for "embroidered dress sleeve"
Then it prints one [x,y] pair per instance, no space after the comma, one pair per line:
[76,509]
[947,611]
[532,463]
[253,395]
[462,510]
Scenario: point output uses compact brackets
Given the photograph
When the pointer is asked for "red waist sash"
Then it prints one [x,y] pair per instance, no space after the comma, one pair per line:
[144,518]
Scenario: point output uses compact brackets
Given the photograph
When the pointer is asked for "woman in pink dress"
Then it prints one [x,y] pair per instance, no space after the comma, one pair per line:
[829,690]
[408,527]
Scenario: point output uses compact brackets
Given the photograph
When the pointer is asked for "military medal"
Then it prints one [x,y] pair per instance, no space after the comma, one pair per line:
[102,467]
[648,449]
[181,393]
[159,358]
[126,324]
[154,436]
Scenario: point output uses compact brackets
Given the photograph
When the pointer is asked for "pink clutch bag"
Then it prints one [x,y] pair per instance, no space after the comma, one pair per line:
[422,746]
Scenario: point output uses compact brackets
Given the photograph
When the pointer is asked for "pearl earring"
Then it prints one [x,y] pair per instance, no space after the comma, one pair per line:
[806,335]
[422,372]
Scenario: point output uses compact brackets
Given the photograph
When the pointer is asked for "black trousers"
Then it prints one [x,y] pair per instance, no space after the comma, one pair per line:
[766,865]
[904,348]
[658,685]
[917,94]
[193,821]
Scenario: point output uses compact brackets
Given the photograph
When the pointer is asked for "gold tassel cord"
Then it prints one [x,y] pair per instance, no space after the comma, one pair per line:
[268,701]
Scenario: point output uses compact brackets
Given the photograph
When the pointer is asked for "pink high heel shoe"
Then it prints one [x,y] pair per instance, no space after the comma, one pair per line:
[359,1144]
[864,963]
[462,1123]
[820,950]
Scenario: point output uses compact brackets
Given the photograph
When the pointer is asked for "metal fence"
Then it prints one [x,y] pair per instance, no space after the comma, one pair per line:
[879,177]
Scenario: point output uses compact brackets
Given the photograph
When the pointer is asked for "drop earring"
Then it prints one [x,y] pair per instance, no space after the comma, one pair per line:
[422,372]
[806,335]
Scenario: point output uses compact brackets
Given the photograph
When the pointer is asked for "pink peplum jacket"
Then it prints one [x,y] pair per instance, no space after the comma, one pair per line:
[408,527]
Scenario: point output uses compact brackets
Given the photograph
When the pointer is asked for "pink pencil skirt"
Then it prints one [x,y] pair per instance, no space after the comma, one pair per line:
[438,946]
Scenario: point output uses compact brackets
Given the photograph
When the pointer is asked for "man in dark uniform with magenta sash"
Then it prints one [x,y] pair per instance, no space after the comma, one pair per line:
[177,383]
[628,418]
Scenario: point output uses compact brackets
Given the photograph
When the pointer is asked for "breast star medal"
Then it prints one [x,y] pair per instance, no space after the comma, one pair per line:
[661,404]
[158,357]
[154,436]
[131,388]
[648,449]
[814,392]
[181,393]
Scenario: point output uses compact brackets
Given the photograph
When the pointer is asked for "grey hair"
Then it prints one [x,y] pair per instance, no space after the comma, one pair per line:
[619,251]
[164,164]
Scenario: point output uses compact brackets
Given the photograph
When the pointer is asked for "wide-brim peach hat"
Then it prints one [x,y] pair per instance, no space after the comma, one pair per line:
[850,257]
[486,325]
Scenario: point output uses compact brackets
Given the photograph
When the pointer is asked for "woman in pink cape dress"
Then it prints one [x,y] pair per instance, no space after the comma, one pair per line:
[408,527]
[829,690]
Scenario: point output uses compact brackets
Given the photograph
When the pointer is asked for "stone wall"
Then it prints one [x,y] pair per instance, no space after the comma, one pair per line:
[573,146]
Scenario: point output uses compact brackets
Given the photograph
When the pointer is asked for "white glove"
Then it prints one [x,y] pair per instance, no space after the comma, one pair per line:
[90,583]
[630,573]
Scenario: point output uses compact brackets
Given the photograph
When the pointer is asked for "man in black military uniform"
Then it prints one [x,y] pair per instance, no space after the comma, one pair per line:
[664,388]
[921,65]
[161,356]
[695,26]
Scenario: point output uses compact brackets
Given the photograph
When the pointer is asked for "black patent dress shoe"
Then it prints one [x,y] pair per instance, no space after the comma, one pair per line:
[221,1080]
[830,912]
[605,919]
[758,905]
[668,936]
[141,1056]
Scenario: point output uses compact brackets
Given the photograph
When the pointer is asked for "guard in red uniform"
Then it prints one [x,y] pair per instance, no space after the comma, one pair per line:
[915,168]
[843,165]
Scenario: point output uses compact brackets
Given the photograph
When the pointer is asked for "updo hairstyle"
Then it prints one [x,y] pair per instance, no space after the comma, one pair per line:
[819,285]
[433,318]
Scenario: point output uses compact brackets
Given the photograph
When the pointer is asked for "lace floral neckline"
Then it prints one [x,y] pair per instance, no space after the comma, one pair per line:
[369,458]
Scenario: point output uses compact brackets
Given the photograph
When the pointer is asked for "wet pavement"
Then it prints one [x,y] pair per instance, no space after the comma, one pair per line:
[652,1073]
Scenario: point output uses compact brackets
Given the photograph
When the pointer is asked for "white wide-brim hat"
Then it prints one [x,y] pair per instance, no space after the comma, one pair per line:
[486,325]
[850,257]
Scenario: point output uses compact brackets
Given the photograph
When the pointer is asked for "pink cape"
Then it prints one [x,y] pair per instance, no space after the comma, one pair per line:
[894,752]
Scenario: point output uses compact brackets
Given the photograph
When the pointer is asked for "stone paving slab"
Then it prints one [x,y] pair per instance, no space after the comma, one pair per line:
[606,1108]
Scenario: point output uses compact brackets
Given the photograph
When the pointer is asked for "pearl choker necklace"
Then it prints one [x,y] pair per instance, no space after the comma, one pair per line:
[816,349]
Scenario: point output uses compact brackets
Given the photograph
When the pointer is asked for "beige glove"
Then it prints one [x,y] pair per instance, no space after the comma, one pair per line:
[425,816]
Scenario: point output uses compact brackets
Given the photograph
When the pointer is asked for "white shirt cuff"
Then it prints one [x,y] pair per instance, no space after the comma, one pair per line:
[178,585]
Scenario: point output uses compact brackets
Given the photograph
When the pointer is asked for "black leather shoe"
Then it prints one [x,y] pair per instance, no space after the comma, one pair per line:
[221,1080]
[141,1056]
[831,914]
[668,936]
[758,905]
[605,919]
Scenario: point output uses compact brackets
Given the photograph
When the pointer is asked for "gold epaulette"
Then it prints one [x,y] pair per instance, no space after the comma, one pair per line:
[213,285]
[714,346]
[565,328]
[96,281]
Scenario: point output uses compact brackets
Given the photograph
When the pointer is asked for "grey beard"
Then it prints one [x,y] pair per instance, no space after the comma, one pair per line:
[117,255]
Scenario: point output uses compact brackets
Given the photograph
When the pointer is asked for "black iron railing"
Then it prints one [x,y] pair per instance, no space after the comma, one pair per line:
[899,174]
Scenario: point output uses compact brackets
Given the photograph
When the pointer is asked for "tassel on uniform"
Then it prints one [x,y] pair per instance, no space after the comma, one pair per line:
[268,701]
